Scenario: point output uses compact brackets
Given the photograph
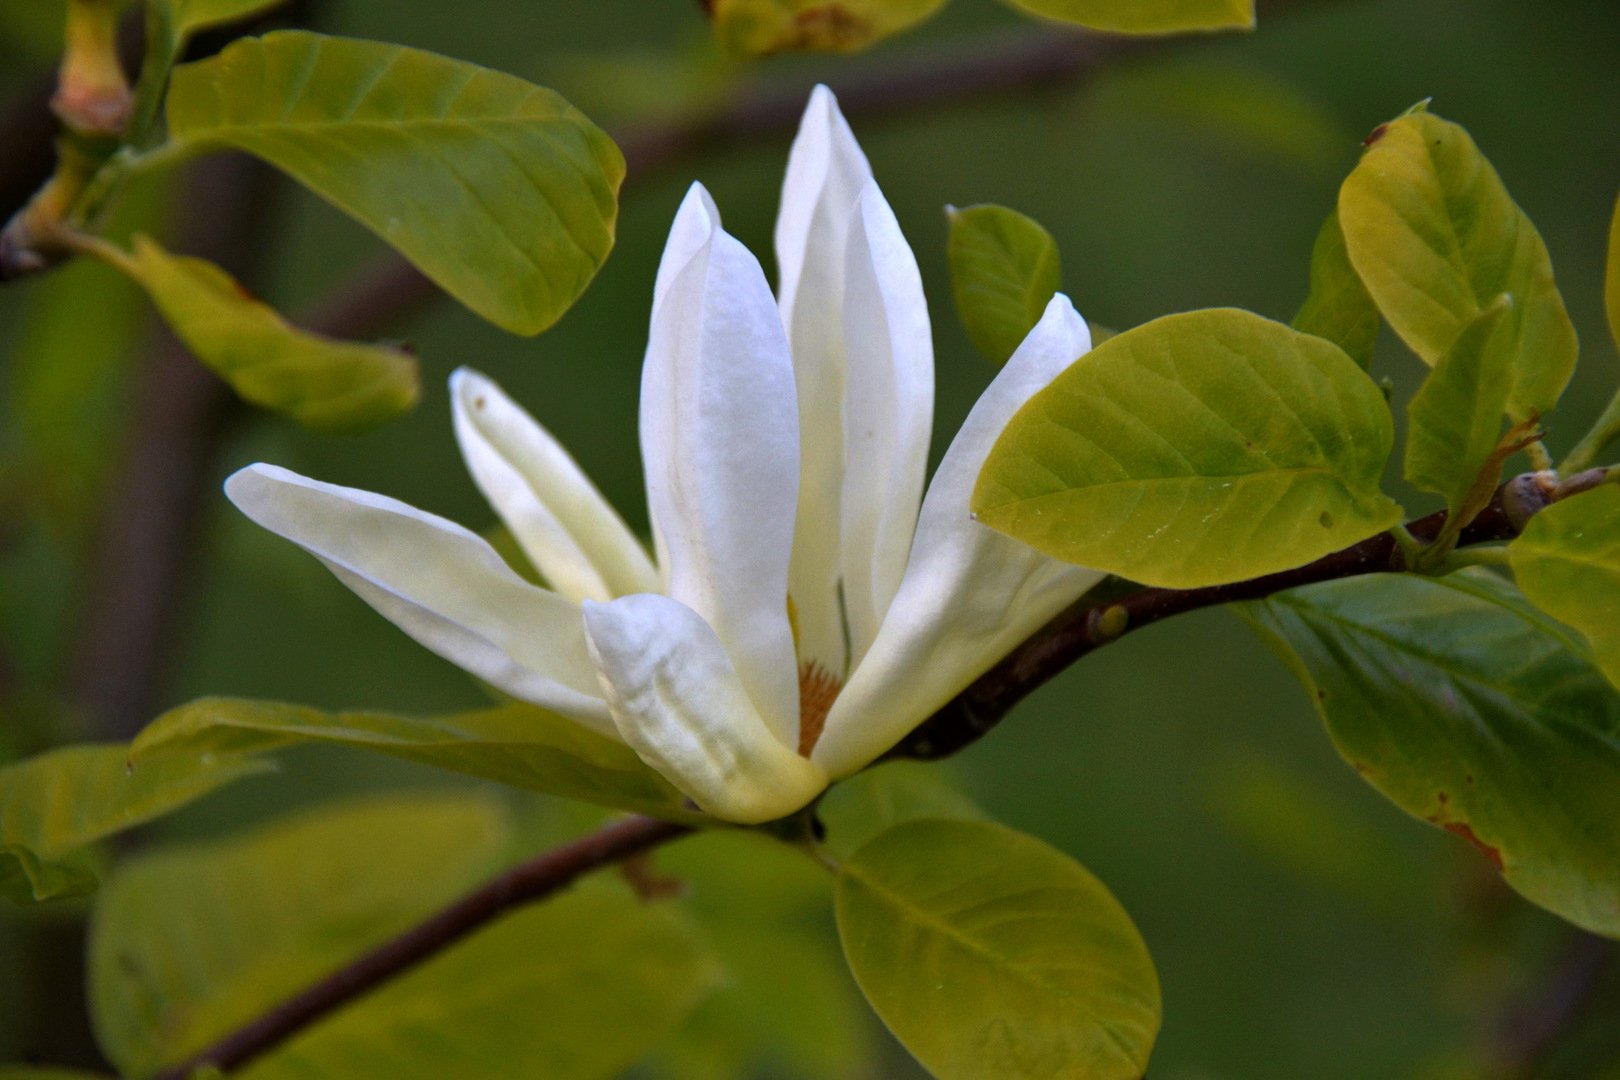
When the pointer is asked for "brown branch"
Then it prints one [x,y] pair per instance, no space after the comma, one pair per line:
[1090,624]
[536,879]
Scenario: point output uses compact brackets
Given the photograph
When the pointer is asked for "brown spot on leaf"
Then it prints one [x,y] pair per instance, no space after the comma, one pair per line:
[1462,830]
[1377,133]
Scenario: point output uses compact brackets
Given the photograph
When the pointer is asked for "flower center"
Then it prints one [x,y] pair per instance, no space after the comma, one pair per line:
[818,689]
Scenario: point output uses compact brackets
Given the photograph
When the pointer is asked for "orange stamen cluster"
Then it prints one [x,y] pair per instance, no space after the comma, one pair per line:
[818,689]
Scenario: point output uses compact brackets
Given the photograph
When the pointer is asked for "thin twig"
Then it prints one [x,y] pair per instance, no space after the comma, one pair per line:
[540,877]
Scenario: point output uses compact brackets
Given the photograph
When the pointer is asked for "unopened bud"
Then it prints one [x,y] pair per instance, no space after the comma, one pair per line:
[93,98]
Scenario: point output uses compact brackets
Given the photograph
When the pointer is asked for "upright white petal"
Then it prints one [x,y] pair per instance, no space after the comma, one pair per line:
[969,594]
[825,174]
[888,414]
[441,584]
[679,703]
[694,221]
[719,436]
[564,525]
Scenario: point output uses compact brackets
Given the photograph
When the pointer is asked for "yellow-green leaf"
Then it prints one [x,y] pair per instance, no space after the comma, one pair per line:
[1454,421]
[1197,449]
[497,189]
[1568,564]
[188,943]
[520,745]
[1435,236]
[762,27]
[1338,307]
[1146,16]
[169,25]
[990,954]
[54,805]
[320,382]
[1004,269]
[1471,710]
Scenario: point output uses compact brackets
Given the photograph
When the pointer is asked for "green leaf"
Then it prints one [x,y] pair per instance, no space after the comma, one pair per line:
[497,189]
[54,805]
[1454,421]
[322,383]
[1436,238]
[1338,307]
[876,799]
[1145,16]
[763,27]
[45,1072]
[189,943]
[1568,564]
[989,953]
[1197,449]
[520,745]
[169,25]
[1472,711]
[1004,269]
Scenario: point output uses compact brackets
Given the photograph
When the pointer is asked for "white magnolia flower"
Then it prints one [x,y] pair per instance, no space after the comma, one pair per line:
[807,605]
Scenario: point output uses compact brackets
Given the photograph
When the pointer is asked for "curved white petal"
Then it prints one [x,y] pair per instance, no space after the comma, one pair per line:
[568,530]
[719,437]
[441,584]
[694,221]
[825,174]
[969,594]
[679,703]
[888,414]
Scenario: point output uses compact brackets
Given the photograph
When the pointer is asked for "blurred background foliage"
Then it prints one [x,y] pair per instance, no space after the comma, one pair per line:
[1301,926]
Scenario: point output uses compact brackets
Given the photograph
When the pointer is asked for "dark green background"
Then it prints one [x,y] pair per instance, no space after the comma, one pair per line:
[1302,927]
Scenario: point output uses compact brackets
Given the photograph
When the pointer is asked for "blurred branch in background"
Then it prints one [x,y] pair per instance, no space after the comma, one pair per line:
[525,883]
[382,296]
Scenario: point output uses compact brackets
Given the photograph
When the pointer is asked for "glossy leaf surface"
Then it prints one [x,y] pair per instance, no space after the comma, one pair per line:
[1338,306]
[1473,711]
[497,189]
[1004,269]
[1433,233]
[1194,450]
[320,382]
[1568,564]
[989,953]
[54,805]
[519,745]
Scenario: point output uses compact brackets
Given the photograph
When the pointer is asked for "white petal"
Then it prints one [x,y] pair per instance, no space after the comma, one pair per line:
[719,435]
[564,525]
[696,218]
[826,172]
[680,704]
[441,584]
[888,414]
[969,594]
